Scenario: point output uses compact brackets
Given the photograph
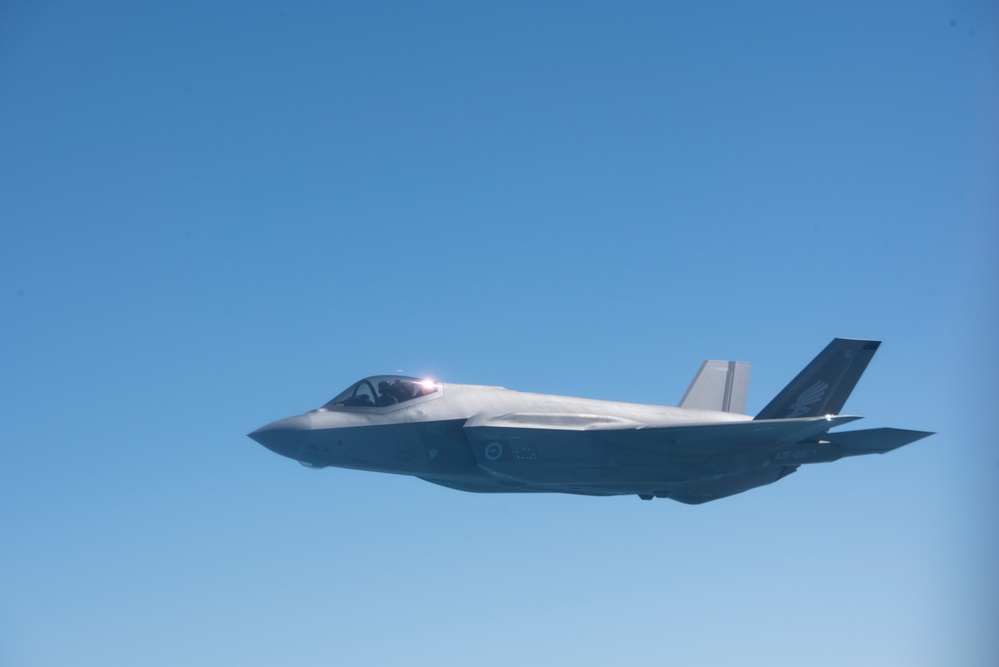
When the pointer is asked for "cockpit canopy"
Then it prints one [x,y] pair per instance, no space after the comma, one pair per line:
[380,391]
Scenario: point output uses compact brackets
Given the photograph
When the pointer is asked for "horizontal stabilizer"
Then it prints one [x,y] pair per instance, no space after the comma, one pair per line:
[824,385]
[719,385]
[875,440]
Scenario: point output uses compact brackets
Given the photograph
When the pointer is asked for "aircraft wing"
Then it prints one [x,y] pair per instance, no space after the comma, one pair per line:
[690,463]
[632,434]
[518,448]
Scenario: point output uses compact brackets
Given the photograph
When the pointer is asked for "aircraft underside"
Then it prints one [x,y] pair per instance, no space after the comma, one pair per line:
[692,493]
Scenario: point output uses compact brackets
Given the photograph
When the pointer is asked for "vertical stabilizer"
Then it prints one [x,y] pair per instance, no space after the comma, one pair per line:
[719,385]
[824,385]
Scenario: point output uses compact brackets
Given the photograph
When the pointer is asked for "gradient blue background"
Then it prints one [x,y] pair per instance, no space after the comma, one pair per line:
[216,216]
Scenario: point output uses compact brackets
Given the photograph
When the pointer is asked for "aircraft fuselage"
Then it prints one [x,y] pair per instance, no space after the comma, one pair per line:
[491,439]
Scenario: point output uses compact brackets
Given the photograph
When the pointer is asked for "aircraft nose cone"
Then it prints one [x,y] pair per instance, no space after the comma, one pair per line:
[285,436]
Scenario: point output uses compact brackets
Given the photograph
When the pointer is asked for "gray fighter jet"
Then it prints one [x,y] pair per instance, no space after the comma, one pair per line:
[494,440]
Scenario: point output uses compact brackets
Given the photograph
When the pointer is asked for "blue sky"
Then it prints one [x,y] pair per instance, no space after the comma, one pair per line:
[214,217]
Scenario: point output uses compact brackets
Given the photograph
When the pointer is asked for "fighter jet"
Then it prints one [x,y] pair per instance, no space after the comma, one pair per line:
[494,440]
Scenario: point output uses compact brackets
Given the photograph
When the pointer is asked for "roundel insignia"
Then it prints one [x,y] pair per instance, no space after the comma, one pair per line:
[494,450]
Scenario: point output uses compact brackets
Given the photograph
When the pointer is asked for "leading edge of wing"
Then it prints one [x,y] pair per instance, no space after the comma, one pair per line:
[631,433]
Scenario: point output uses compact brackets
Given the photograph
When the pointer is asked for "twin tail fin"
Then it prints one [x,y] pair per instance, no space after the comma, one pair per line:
[719,385]
[824,385]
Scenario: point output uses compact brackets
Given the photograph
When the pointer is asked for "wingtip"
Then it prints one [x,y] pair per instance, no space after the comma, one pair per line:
[869,344]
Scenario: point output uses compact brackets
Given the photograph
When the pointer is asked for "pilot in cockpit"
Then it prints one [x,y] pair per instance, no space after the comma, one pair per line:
[402,390]
[387,394]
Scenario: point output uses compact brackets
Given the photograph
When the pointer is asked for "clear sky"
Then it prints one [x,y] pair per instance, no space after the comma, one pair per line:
[215,215]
